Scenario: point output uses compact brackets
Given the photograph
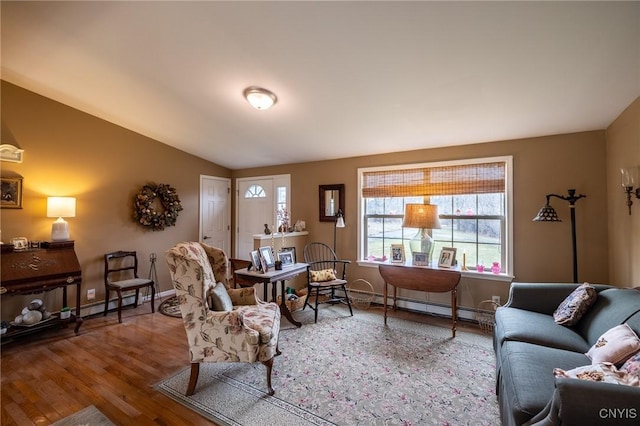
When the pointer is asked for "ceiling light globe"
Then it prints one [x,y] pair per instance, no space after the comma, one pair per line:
[260,98]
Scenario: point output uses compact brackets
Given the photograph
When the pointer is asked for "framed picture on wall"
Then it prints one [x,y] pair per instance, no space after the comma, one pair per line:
[11,193]
[397,253]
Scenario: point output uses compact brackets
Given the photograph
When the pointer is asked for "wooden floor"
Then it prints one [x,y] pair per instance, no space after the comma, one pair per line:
[111,366]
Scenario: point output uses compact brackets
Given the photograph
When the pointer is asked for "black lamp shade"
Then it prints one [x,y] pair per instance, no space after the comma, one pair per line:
[547,214]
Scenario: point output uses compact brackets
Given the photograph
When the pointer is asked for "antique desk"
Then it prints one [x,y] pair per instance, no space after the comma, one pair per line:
[272,276]
[36,270]
[421,278]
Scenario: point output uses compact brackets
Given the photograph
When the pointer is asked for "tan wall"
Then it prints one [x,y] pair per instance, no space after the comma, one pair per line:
[68,152]
[623,150]
[71,153]
[542,251]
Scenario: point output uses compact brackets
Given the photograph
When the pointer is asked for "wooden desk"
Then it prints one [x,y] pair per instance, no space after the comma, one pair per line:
[421,278]
[273,276]
[39,270]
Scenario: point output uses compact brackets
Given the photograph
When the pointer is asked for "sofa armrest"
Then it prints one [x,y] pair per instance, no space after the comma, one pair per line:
[582,402]
[541,297]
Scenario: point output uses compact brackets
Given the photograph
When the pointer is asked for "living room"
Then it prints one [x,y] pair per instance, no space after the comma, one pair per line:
[103,165]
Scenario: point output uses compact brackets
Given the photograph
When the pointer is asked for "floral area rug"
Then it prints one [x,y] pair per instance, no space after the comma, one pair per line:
[170,307]
[352,371]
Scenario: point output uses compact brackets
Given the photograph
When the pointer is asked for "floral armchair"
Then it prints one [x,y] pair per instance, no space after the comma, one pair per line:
[240,328]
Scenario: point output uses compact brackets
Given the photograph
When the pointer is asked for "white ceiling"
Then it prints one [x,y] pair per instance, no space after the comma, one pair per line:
[352,78]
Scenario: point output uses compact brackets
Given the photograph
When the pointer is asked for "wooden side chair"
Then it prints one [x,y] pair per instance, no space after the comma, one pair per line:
[237,280]
[325,274]
[121,275]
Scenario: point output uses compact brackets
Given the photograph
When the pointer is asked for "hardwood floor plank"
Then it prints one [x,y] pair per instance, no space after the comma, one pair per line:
[113,366]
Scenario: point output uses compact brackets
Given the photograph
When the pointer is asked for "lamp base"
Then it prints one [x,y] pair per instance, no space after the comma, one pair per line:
[60,230]
[422,243]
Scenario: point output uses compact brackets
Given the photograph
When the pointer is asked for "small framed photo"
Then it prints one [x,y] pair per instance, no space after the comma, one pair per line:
[397,253]
[255,260]
[286,257]
[20,243]
[11,193]
[293,253]
[267,255]
[447,257]
[420,258]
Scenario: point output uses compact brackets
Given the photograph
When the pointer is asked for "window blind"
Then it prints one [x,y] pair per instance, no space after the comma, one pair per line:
[481,178]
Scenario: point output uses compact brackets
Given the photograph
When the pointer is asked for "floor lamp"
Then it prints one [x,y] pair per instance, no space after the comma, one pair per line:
[339,223]
[548,214]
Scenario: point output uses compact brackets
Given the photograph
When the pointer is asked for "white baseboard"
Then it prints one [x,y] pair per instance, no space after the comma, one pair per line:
[421,306]
[98,307]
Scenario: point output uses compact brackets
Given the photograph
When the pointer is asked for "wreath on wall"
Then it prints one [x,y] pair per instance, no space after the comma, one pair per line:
[145,200]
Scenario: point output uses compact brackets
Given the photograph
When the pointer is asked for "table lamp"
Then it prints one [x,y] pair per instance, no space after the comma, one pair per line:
[60,207]
[424,217]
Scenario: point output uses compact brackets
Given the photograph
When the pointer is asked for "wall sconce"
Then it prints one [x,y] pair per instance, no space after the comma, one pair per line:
[338,224]
[629,182]
[548,214]
[60,207]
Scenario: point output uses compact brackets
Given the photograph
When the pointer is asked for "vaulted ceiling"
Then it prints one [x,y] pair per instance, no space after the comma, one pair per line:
[352,78]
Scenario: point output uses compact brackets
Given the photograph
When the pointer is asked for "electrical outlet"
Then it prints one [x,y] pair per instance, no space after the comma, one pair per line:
[91,294]
[495,299]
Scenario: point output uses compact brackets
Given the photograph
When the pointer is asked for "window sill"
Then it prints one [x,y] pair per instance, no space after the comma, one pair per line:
[465,274]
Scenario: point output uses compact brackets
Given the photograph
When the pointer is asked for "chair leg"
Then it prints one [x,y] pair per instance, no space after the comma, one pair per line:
[317,296]
[106,301]
[135,303]
[153,298]
[346,296]
[193,379]
[119,305]
[269,364]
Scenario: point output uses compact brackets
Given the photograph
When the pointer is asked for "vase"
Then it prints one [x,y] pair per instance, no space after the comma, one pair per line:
[495,268]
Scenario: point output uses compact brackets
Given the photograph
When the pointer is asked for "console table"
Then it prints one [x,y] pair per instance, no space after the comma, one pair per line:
[421,278]
[37,270]
[273,276]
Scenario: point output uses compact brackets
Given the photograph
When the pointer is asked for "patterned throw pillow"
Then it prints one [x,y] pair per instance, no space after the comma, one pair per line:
[603,372]
[323,275]
[575,305]
[632,365]
[615,346]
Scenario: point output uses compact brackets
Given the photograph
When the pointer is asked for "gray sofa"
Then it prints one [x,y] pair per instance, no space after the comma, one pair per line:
[529,345]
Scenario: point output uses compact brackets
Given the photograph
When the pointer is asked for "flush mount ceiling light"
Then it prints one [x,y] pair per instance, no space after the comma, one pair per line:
[260,98]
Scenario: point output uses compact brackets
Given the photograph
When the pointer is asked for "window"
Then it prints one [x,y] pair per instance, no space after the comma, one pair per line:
[255,191]
[473,199]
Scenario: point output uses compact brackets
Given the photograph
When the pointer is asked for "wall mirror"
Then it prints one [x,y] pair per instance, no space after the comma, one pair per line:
[331,200]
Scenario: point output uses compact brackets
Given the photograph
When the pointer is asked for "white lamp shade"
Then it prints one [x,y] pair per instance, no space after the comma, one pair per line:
[340,222]
[423,216]
[61,207]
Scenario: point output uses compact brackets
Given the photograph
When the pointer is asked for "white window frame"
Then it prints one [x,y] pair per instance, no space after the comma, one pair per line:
[508,240]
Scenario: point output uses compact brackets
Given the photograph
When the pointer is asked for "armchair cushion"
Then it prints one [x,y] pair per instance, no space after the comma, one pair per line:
[220,300]
[322,275]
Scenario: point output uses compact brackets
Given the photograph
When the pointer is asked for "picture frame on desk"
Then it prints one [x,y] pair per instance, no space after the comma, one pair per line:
[447,258]
[420,258]
[397,253]
[292,250]
[267,255]
[255,260]
[286,257]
